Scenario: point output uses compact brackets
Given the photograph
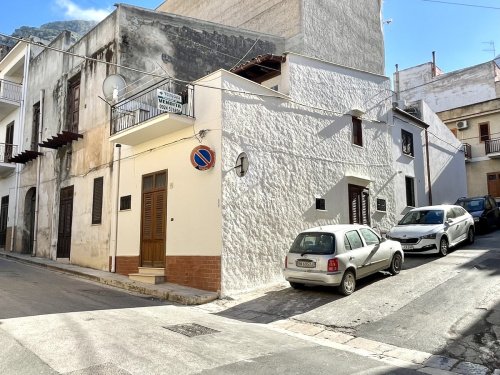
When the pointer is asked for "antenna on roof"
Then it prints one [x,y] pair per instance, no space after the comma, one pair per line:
[491,43]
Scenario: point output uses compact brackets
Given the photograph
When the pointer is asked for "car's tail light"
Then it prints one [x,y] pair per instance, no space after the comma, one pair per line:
[286,262]
[333,265]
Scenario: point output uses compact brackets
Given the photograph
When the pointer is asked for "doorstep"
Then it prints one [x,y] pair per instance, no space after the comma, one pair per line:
[165,291]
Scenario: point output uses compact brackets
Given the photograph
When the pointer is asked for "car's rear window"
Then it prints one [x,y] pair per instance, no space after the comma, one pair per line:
[314,243]
[472,205]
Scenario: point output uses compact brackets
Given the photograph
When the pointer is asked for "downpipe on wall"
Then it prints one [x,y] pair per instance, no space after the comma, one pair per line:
[115,234]
[38,169]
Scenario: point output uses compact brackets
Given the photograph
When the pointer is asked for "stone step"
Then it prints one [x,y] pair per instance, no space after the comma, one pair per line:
[152,271]
[148,279]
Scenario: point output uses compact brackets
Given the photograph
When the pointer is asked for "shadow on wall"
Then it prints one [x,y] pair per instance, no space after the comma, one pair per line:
[447,184]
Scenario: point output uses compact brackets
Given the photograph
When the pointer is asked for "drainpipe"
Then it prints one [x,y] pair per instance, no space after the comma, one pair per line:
[434,70]
[396,83]
[22,116]
[428,166]
[113,257]
[38,168]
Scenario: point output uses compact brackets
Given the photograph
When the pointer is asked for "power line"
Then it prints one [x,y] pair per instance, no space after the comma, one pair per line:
[462,4]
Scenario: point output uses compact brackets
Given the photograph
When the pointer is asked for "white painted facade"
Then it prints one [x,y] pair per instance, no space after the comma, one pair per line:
[449,90]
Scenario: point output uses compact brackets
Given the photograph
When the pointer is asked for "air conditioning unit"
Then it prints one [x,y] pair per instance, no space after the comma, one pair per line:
[461,125]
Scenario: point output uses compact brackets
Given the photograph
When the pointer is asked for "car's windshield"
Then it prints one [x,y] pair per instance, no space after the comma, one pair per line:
[472,205]
[314,243]
[426,217]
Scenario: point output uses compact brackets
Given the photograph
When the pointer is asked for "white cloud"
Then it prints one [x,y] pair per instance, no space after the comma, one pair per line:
[74,11]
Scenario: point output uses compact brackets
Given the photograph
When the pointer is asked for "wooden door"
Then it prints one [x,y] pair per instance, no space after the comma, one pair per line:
[65,221]
[74,106]
[9,140]
[494,184]
[4,214]
[153,221]
[359,204]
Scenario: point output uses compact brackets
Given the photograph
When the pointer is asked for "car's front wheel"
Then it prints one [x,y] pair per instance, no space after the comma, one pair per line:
[396,264]
[470,236]
[348,283]
[443,246]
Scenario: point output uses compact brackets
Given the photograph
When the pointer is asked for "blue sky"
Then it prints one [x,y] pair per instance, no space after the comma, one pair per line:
[418,27]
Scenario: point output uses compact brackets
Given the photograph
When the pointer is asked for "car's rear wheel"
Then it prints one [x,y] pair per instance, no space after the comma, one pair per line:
[296,285]
[348,283]
[470,236]
[443,246]
[396,264]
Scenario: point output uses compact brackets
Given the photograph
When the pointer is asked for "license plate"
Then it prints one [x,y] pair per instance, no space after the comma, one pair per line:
[407,247]
[306,263]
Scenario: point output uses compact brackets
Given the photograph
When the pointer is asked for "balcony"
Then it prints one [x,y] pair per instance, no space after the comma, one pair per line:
[152,113]
[6,152]
[492,148]
[467,149]
[10,97]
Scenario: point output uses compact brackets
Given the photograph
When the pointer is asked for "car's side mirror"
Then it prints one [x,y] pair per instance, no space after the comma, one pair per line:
[383,239]
[448,221]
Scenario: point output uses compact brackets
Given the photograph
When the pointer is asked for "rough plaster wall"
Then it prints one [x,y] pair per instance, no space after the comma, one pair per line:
[185,48]
[276,17]
[296,153]
[450,90]
[447,160]
[345,32]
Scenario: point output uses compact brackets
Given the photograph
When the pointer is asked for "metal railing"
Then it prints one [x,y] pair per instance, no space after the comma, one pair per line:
[163,97]
[492,146]
[10,91]
[467,149]
[7,151]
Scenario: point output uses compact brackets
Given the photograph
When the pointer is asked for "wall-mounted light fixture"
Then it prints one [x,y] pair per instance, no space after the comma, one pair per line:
[356,112]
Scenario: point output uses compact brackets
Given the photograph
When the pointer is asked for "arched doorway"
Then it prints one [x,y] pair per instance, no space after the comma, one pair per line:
[29,220]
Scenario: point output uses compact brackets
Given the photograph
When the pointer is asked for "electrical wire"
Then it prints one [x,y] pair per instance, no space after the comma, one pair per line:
[462,4]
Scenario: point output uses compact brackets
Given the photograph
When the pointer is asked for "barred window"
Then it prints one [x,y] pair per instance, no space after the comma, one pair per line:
[407,143]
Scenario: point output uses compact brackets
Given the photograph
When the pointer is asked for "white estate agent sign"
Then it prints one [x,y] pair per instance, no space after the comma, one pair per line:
[168,101]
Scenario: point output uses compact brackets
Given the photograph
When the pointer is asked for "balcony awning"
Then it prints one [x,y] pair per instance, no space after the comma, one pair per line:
[25,156]
[60,140]
[260,68]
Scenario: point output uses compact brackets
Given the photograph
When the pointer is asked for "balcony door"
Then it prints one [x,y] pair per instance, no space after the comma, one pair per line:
[65,222]
[153,219]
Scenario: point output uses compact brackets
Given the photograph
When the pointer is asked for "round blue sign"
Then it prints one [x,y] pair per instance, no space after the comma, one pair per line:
[202,158]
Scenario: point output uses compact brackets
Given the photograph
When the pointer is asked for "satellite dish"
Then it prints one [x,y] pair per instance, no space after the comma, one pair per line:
[113,86]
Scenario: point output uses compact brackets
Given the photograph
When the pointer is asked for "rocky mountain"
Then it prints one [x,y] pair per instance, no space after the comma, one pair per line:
[47,32]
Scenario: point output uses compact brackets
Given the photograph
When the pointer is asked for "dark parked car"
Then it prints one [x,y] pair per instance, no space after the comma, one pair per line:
[484,209]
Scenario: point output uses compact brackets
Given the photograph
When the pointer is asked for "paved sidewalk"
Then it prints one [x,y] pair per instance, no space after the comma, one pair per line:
[166,291]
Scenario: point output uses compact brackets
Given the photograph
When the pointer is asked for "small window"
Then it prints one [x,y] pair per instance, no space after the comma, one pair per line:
[381,205]
[97,201]
[484,132]
[407,143]
[125,202]
[320,204]
[73,101]
[410,191]
[370,237]
[354,239]
[357,131]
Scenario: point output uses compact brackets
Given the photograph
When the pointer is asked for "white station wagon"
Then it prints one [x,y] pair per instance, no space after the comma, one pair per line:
[338,255]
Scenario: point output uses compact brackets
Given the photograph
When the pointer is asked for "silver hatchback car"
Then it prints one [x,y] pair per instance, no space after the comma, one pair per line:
[338,255]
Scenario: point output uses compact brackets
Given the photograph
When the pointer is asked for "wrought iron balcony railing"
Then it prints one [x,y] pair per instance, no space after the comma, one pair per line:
[467,148]
[7,151]
[161,98]
[492,146]
[10,91]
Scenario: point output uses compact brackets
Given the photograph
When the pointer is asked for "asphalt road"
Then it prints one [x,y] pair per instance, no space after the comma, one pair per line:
[27,290]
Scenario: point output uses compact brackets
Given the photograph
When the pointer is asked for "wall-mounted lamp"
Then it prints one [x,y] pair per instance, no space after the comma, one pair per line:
[356,112]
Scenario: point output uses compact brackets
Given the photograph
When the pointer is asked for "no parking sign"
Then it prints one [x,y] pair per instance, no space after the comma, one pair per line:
[203,157]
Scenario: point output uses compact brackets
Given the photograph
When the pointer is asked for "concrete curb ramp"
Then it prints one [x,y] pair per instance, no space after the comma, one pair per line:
[166,291]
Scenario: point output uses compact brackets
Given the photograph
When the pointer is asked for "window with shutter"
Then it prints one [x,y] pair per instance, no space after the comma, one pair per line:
[484,132]
[36,127]
[357,131]
[97,200]
[74,104]
[147,216]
